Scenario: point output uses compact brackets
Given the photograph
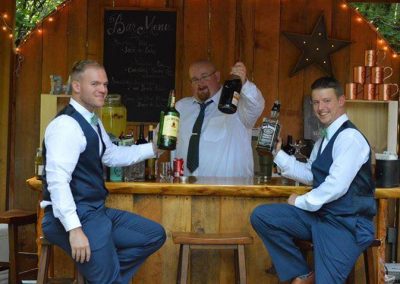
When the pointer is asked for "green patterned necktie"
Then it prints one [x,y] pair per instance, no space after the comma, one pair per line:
[94,120]
[324,133]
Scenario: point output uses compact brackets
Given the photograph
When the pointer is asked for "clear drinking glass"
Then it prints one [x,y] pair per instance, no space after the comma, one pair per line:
[165,171]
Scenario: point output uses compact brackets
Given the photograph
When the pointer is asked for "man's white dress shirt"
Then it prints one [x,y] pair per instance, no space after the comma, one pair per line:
[225,140]
[65,141]
[350,152]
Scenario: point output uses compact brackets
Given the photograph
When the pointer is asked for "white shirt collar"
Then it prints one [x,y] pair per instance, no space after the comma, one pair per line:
[82,110]
[331,130]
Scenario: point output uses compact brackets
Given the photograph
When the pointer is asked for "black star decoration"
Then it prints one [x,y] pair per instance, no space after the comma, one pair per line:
[316,48]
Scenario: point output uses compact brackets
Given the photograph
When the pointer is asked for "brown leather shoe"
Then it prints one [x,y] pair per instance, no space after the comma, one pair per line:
[310,279]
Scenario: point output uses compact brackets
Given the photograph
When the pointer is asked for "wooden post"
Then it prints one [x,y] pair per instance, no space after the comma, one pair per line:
[381,234]
[6,55]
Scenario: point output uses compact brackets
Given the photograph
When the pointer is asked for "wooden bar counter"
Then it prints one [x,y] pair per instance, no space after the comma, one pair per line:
[210,205]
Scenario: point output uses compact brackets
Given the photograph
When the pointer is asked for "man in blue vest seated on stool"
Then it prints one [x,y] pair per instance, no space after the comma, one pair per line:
[108,244]
[336,215]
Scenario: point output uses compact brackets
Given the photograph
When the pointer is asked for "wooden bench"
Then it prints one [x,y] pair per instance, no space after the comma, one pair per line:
[191,241]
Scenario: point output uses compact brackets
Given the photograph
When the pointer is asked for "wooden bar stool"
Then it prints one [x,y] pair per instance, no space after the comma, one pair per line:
[15,218]
[368,259]
[44,261]
[189,241]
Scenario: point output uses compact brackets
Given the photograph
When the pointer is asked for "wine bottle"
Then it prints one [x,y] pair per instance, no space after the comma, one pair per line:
[140,167]
[269,131]
[141,139]
[169,125]
[288,148]
[150,163]
[39,164]
[230,95]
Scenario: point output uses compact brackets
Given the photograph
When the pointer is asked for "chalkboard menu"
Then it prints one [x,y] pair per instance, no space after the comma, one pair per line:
[139,57]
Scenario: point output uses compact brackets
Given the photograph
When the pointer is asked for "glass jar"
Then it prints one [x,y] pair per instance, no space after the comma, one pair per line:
[113,115]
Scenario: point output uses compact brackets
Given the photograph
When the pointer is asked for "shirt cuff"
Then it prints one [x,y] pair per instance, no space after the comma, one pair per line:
[146,150]
[70,222]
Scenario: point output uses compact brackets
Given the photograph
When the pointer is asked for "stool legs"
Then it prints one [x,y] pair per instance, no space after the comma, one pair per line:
[183,264]
[13,245]
[44,264]
[369,266]
[242,264]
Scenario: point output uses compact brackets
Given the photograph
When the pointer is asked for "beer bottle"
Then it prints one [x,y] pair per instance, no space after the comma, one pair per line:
[169,125]
[269,131]
[230,95]
[39,164]
[150,163]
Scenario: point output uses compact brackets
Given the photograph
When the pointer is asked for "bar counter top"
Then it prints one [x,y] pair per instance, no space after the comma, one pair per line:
[216,186]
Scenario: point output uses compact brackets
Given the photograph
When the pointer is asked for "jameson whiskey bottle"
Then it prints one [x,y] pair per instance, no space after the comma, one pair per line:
[169,125]
[269,131]
[39,164]
[150,163]
[230,95]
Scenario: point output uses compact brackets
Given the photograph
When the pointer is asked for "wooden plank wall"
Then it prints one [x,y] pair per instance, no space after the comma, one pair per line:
[6,59]
[223,31]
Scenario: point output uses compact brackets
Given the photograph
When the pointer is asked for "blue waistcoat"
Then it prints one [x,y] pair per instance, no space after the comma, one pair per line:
[359,199]
[87,183]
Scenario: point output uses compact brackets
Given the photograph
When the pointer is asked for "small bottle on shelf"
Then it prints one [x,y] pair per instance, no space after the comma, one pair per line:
[169,125]
[39,164]
[230,95]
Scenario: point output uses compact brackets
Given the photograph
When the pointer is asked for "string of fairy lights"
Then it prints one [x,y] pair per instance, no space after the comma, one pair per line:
[382,43]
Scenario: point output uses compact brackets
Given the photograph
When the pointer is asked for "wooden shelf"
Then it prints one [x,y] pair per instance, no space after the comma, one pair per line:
[50,105]
[377,120]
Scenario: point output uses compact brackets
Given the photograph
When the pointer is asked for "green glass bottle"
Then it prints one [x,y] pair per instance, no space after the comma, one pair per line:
[169,125]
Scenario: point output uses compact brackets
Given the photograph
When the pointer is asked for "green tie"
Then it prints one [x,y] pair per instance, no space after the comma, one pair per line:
[94,120]
[324,133]
[193,150]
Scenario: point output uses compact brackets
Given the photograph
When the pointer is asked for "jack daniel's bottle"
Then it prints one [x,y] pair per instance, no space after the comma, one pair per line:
[169,125]
[230,95]
[269,131]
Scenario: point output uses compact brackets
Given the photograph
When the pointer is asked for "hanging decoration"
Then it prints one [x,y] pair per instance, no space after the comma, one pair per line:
[316,48]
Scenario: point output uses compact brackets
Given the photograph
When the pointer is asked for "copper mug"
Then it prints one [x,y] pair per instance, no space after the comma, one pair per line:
[387,91]
[353,91]
[359,74]
[369,91]
[378,74]
[372,57]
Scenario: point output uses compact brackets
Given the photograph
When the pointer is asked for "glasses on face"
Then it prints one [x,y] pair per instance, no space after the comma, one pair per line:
[205,78]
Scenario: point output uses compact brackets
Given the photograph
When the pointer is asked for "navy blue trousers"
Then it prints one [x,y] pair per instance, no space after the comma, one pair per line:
[120,242]
[338,241]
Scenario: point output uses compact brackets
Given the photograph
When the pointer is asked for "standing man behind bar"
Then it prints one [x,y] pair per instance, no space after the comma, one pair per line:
[336,215]
[108,244]
[224,147]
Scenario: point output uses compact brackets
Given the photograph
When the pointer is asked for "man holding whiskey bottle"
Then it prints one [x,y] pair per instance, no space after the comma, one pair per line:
[214,143]
[107,244]
[336,215]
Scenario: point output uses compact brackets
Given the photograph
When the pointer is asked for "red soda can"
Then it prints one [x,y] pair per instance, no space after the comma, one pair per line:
[178,167]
